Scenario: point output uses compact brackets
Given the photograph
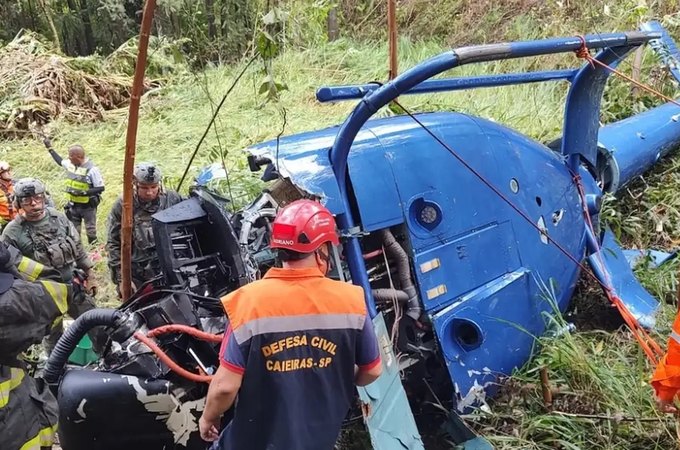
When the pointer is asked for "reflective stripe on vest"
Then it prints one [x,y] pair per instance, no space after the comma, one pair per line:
[676,337]
[287,324]
[15,378]
[30,269]
[59,294]
[44,438]
[77,182]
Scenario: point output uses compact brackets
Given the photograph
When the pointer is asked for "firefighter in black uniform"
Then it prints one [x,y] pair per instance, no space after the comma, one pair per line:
[31,303]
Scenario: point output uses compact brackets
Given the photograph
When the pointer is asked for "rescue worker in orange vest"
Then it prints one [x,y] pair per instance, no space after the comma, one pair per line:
[7,211]
[666,378]
[296,345]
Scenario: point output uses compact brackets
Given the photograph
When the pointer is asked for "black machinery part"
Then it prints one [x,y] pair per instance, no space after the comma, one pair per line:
[106,411]
[73,334]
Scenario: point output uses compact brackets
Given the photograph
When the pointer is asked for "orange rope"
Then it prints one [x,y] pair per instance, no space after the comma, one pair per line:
[584,53]
[177,328]
[651,348]
[648,344]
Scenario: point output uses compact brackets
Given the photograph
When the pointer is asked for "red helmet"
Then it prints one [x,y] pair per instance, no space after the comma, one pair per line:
[303,226]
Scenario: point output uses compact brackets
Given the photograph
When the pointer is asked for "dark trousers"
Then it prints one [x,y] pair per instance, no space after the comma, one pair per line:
[84,213]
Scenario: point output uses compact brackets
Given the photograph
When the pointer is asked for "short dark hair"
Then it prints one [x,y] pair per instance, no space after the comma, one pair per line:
[291,255]
[285,254]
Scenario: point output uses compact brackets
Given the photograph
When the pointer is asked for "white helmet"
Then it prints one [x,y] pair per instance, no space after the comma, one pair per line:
[4,166]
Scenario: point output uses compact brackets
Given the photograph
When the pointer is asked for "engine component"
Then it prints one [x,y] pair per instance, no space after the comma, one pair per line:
[73,334]
[396,252]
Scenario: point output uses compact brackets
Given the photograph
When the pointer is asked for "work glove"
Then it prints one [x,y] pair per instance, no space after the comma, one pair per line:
[48,143]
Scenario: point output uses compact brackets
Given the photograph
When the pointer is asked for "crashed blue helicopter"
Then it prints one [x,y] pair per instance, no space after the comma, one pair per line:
[451,223]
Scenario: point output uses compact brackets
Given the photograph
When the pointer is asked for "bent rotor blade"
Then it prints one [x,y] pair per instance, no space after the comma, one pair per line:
[612,269]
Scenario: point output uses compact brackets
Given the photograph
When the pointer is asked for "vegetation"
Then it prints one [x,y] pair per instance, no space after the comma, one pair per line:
[213,28]
[602,399]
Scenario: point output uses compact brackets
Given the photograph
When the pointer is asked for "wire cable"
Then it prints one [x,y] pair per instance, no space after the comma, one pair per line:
[649,346]
[212,119]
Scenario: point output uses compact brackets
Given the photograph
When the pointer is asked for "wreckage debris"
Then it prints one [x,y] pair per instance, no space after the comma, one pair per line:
[38,85]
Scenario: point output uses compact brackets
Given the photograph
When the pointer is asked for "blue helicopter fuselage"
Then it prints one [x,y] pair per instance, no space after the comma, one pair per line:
[482,270]
[497,225]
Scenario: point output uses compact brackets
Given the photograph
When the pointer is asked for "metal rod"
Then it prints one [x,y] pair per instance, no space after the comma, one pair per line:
[545,387]
[392,32]
[130,148]
[354,92]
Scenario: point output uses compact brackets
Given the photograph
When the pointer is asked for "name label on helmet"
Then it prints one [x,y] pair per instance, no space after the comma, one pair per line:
[283,241]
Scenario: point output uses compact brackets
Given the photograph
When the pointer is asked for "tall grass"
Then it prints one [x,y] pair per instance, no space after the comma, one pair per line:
[174,117]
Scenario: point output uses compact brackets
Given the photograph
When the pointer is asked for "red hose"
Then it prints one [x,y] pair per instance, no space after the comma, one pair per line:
[169,362]
[373,254]
[176,328]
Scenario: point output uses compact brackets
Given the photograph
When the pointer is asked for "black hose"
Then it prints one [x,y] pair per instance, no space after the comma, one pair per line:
[213,301]
[389,294]
[398,254]
[73,334]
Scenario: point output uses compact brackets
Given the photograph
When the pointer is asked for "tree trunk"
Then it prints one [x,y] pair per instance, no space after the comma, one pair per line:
[637,65]
[87,26]
[76,43]
[176,25]
[333,31]
[31,14]
[50,21]
[392,32]
[210,16]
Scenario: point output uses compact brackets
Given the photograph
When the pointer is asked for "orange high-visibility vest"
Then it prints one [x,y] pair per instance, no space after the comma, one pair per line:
[7,211]
[666,378]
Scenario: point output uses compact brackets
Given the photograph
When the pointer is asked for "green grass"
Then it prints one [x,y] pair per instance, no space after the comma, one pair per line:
[601,398]
[597,373]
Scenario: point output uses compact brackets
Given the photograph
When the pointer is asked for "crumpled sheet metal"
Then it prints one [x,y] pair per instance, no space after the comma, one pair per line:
[387,413]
